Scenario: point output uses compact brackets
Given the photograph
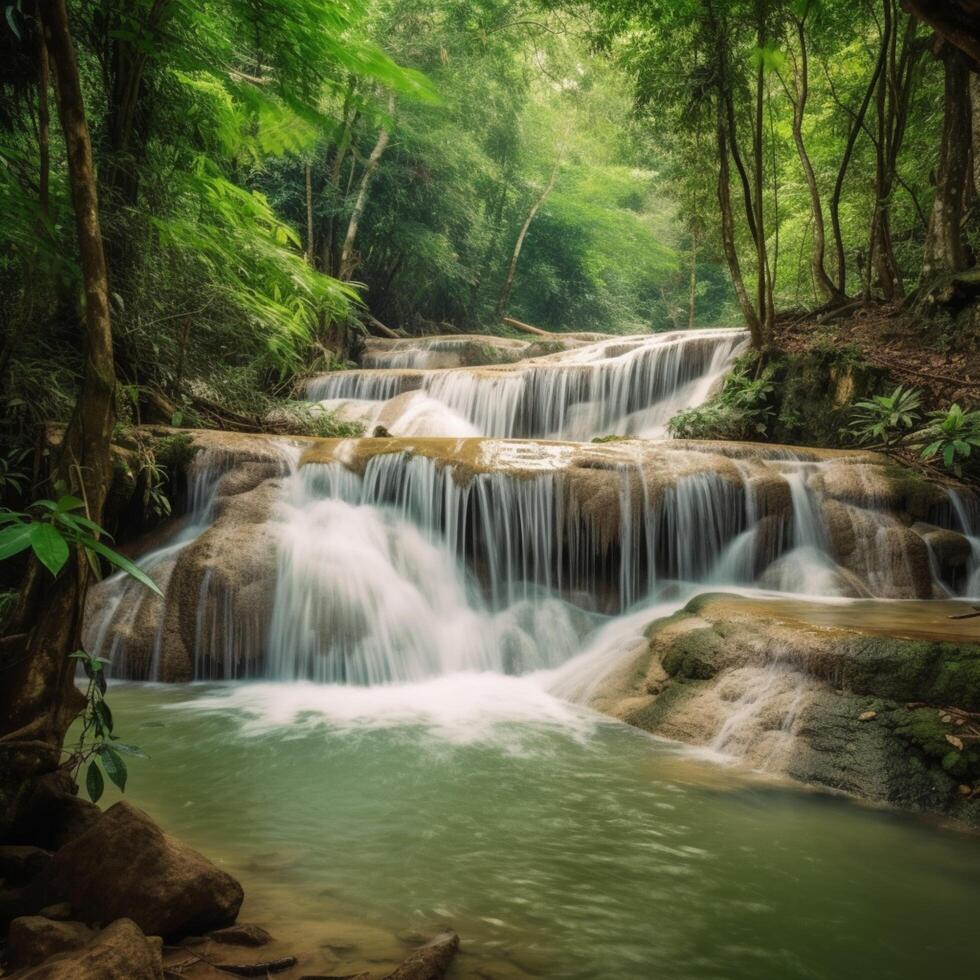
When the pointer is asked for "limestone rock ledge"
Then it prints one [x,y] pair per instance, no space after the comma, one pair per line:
[878,700]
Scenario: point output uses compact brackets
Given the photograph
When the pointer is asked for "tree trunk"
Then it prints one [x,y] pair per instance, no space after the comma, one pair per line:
[504,298]
[43,129]
[728,233]
[348,262]
[857,124]
[307,173]
[38,698]
[764,297]
[822,281]
[692,290]
[945,250]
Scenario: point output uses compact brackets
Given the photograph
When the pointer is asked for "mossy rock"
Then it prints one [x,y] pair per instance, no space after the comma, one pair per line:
[913,670]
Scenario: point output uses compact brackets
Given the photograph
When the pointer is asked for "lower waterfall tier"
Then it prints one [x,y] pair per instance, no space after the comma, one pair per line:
[376,560]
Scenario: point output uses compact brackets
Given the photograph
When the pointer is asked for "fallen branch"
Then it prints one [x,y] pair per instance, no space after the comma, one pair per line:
[380,327]
[526,327]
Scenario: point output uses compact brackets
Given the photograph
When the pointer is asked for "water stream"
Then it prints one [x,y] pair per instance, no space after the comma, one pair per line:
[408,640]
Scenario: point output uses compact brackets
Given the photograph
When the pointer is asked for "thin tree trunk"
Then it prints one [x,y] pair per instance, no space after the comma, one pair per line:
[728,232]
[348,261]
[764,282]
[307,173]
[945,250]
[857,124]
[823,282]
[692,292]
[43,129]
[38,699]
[504,298]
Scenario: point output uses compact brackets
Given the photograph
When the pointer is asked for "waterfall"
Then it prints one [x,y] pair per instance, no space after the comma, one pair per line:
[967,515]
[621,386]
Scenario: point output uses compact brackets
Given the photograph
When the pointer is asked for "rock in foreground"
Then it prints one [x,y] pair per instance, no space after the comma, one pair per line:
[117,952]
[125,865]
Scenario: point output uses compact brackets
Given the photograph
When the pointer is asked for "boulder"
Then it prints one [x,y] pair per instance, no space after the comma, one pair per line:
[33,938]
[21,862]
[429,962]
[126,864]
[118,952]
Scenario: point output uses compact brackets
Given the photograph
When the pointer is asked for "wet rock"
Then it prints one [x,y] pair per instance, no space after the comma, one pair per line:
[126,864]
[430,962]
[32,939]
[60,911]
[951,549]
[118,952]
[241,934]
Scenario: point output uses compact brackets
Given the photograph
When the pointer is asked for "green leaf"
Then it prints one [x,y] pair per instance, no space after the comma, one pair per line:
[129,750]
[123,563]
[949,454]
[115,766]
[68,502]
[14,540]
[94,783]
[49,546]
[104,715]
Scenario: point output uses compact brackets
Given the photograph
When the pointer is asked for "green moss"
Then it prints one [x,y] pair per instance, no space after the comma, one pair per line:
[914,670]
[694,654]
[175,453]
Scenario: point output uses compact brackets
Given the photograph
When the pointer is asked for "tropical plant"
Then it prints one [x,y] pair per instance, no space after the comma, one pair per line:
[51,528]
[742,410]
[97,746]
[885,420]
[13,476]
[954,434]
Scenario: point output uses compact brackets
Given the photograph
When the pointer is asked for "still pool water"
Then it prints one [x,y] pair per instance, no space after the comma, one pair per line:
[556,843]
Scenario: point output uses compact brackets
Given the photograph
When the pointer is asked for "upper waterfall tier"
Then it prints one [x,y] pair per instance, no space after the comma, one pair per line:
[372,560]
[614,385]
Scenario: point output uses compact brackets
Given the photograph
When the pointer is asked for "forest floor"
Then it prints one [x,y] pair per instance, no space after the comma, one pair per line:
[943,362]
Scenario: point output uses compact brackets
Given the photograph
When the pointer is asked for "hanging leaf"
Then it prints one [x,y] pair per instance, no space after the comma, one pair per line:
[14,539]
[49,546]
[115,766]
[94,783]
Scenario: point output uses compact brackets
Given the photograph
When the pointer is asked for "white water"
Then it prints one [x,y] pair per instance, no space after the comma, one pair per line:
[466,604]
[622,385]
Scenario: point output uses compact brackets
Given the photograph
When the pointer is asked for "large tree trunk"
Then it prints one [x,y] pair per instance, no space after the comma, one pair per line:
[38,699]
[505,290]
[892,103]
[945,250]
[348,260]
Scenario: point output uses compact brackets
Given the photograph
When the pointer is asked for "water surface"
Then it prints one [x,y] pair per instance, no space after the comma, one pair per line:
[556,843]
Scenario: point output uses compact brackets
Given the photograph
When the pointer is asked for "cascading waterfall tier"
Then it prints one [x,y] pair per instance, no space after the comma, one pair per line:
[377,560]
[617,385]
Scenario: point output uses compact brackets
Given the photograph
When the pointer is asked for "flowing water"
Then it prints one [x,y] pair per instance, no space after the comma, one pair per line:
[401,740]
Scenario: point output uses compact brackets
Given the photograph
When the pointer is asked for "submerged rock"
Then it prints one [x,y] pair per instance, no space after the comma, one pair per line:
[125,864]
[429,962]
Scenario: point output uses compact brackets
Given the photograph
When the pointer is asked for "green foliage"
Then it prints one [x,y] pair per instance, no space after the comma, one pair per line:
[97,747]
[954,434]
[743,410]
[886,419]
[52,528]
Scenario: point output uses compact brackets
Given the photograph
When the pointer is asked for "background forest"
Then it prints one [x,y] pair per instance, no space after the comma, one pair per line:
[276,179]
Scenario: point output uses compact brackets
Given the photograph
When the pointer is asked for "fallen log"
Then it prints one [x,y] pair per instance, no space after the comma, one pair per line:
[526,327]
[380,327]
